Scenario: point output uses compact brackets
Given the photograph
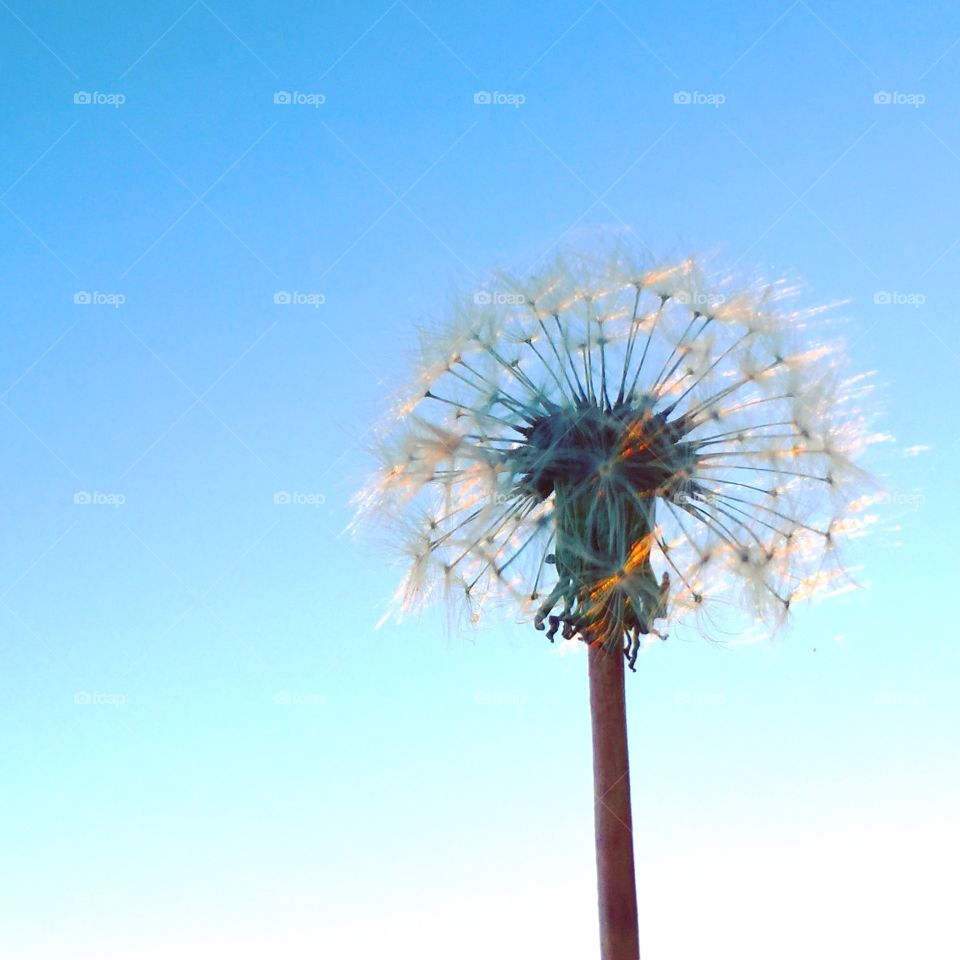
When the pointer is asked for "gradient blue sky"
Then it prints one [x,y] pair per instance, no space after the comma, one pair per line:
[207,750]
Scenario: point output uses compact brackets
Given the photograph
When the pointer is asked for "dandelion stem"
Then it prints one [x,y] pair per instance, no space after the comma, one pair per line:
[613,823]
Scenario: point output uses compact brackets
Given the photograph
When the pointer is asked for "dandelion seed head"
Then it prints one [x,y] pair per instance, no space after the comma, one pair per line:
[616,448]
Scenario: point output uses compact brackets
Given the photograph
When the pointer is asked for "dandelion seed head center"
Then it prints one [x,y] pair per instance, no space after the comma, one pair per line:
[604,466]
[627,450]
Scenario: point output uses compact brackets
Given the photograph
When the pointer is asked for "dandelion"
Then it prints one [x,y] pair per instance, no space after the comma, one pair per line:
[617,448]
[621,451]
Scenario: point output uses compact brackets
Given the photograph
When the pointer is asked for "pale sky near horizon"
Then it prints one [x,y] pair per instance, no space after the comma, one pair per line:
[220,225]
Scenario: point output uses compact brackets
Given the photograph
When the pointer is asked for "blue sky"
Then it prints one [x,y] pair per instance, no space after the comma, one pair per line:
[207,749]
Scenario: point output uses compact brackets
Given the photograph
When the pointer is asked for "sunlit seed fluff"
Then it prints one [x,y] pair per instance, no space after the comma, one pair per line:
[616,448]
